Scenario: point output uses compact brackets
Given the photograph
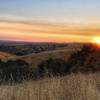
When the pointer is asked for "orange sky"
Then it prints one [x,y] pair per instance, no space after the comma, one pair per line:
[50,20]
[47,32]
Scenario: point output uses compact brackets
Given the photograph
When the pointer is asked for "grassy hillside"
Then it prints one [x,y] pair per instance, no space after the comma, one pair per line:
[35,58]
[16,68]
[62,53]
[70,59]
[71,87]
[6,56]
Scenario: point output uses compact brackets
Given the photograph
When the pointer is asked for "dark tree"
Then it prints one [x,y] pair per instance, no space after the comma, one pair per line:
[76,61]
[15,71]
[52,67]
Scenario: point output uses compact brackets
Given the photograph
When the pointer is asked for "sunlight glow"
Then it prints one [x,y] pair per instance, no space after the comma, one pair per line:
[96,40]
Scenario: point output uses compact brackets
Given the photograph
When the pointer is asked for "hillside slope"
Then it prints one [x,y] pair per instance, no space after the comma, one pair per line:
[35,58]
[6,56]
[63,53]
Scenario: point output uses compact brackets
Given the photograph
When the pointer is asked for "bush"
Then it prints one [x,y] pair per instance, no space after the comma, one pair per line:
[15,71]
[52,67]
[79,61]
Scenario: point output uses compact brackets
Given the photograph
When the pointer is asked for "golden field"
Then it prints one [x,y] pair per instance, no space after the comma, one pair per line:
[71,87]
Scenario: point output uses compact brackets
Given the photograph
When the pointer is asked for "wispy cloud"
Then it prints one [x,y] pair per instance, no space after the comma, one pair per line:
[12,17]
[47,32]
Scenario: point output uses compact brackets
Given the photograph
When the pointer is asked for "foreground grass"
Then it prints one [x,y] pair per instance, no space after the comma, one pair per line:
[71,87]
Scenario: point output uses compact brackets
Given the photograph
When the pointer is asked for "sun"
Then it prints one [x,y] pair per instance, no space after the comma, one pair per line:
[96,41]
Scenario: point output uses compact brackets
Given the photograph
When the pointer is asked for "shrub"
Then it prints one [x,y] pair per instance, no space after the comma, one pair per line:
[52,67]
[78,61]
[15,71]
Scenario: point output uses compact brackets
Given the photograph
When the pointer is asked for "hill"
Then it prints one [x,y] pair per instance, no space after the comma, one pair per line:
[6,56]
[67,60]
[15,68]
[25,48]
[84,59]
[62,53]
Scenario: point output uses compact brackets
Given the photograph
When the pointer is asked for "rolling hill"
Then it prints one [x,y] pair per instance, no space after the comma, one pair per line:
[6,56]
[35,58]
[63,53]
[70,59]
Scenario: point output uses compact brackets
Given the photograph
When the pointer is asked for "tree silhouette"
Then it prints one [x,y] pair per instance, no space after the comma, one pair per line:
[52,67]
[15,71]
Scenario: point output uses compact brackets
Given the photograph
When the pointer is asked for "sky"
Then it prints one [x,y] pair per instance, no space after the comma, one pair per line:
[49,20]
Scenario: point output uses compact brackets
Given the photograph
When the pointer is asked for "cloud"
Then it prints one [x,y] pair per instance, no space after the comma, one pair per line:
[11,17]
[47,32]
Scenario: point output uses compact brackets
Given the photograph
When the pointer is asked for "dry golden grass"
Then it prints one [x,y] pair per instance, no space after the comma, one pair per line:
[6,56]
[35,59]
[71,87]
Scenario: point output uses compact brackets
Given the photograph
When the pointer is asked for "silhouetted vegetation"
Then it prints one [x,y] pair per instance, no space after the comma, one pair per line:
[77,60]
[84,61]
[52,67]
[15,71]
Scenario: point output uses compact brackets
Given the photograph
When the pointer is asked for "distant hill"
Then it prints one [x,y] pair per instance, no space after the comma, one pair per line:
[35,58]
[63,53]
[25,48]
